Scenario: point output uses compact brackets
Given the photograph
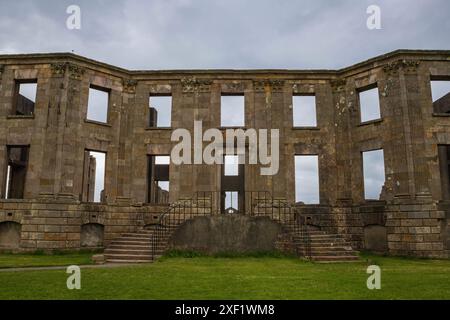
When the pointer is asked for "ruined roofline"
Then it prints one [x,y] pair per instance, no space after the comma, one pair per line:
[439,55]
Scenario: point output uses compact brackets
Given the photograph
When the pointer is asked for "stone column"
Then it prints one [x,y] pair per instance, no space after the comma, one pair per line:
[343,138]
[52,140]
[69,128]
[124,166]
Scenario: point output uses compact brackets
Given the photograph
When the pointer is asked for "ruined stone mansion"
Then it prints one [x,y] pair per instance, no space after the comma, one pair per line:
[50,198]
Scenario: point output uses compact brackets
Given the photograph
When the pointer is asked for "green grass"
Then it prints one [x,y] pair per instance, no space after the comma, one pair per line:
[238,278]
[40,259]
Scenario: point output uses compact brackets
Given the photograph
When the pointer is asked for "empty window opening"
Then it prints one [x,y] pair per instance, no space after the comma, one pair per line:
[231,164]
[444,164]
[369,104]
[94,176]
[160,111]
[158,179]
[440,92]
[374,176]
[25,98]
[16,171]
[304,111]
[307,179]
[232,111]
[98,104]
[231,201]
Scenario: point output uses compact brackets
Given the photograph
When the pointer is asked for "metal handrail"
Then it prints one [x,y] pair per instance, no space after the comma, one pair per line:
[257,203]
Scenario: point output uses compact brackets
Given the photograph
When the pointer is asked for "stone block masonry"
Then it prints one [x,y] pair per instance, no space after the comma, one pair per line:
[45,148]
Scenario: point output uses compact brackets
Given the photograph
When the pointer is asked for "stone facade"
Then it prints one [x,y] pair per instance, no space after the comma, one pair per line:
[414,214]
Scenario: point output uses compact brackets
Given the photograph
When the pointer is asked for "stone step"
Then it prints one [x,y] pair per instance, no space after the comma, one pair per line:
[328,248]
[130,242]
[154,227]
[298,230]
[126,256]
[138,234]
[331,253]
[334,242]
[128,251]
[139,247]
[330,244]
[334,258]
[319,236]
[142,231]
[133,247]
[128,261]
[144,238]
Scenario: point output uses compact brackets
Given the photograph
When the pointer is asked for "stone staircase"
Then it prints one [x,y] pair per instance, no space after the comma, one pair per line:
[324,247]
[135,247]
[314,244]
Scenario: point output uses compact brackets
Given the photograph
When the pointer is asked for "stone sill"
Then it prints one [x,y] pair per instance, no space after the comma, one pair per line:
[105,124]
[158,128]
[17,116]
[375,121]
[372,202]
[306,128]
[233,128]
[439,114]
[16,200]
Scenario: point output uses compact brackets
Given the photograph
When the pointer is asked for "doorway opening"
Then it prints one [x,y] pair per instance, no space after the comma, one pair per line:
[232,185]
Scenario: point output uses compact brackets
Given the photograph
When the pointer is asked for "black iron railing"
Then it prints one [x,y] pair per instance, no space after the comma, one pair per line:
[256,203]
[261,203]
[184,209]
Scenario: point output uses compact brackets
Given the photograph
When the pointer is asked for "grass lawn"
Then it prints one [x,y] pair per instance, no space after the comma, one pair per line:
[238,278]
[9,260]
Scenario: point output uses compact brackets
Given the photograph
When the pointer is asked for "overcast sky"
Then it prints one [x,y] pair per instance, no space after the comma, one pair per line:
[188,34]
[165,34]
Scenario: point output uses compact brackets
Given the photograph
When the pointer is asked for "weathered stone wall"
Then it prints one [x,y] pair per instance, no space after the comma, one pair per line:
[415,229]
[227,233]
[58,224]
[414,212]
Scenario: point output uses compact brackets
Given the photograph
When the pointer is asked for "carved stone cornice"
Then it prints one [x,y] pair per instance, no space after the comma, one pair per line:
[75,71]
[233,87]
[58,69]
[204,85]
[404,64]
[258,85]
[274,84]
[129,85]
[277,85]
[302,88]
[193,84]
[338,85]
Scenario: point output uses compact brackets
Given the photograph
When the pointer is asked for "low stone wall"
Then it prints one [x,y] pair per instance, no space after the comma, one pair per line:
[50,225]
[409,227]
[418,227]
[227,232]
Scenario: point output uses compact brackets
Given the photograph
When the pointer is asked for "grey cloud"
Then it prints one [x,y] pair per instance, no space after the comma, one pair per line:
[224,34]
